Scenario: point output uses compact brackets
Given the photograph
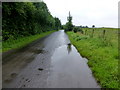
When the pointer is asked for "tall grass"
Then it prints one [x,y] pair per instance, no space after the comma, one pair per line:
[102,54]
[21,41]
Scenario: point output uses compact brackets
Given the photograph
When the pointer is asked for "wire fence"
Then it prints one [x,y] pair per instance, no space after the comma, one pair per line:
[108,35]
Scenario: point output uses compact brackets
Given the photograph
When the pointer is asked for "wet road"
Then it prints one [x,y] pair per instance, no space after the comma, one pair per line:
[47,63]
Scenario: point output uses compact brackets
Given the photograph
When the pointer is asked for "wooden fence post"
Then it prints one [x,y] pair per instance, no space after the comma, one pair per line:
[104,31]
[92,32]
[85,32]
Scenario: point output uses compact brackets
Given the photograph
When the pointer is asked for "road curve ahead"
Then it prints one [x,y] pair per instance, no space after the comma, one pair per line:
[50,62]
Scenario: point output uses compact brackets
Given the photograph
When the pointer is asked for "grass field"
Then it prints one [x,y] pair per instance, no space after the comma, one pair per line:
[101,51]
[21,42]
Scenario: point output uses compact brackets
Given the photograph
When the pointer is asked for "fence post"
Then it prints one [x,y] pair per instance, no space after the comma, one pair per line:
[104,31]
[85,32]
[92,32]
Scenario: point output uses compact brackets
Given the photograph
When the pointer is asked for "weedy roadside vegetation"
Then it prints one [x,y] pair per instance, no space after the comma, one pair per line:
[22,41]
[101,49]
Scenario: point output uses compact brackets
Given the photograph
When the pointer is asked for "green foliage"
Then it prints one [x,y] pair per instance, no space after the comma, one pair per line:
[69,25]
[102,54]
[69,18]
[77,29]
[25,18]
[57,24]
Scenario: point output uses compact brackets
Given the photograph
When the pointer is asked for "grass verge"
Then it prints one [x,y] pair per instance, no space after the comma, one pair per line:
[102,57]
[21,42]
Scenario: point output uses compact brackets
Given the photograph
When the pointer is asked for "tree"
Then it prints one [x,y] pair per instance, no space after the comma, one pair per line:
[86,27]
[69,18]
[26,18]
[57,23]
[69,25]
[93,26]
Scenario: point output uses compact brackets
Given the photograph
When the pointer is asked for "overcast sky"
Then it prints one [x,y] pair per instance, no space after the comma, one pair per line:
[101,13]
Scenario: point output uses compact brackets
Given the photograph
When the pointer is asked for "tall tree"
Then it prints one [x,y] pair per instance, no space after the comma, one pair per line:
[69,18]
[69,25]
[57,24]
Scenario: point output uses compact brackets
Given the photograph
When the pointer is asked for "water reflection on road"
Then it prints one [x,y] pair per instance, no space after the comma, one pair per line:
[70,70]
[69,48]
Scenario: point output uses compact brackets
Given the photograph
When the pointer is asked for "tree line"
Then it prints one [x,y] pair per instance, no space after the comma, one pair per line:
[21,19]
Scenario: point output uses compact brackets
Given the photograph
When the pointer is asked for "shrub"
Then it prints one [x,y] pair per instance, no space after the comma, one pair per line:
[77,29]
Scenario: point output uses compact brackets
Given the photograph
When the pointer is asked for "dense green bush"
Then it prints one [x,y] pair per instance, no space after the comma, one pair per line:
[26,18]
[68,26]
[77,29]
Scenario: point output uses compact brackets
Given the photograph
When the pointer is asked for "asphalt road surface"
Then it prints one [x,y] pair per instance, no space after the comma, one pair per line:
[50,62]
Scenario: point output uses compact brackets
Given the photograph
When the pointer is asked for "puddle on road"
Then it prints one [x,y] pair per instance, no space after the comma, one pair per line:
[70,70]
